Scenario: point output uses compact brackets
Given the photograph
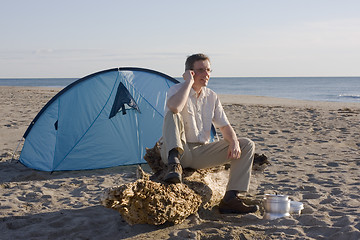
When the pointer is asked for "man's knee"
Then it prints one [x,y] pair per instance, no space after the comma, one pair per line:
[246,144]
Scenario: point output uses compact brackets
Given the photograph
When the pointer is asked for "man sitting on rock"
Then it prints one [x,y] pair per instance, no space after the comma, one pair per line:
[191,110]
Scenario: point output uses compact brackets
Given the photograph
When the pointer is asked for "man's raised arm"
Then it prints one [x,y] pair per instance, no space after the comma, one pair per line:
[177,102]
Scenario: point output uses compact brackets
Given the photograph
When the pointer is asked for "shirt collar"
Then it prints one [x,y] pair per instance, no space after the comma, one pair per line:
[203,93]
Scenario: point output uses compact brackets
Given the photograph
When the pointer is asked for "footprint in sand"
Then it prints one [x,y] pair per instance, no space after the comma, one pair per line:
[343,221]
[185,234]
[320,166]
[332,164]
[333,213]
[308,188]
[336,191]
[310,220]
[328,200]
[273,132]
[30,197]
[327,171]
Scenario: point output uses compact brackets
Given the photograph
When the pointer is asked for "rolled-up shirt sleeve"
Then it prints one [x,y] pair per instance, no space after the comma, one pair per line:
[220,119]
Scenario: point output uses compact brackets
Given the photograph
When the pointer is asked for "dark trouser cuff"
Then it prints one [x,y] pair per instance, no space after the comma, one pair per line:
[174,156]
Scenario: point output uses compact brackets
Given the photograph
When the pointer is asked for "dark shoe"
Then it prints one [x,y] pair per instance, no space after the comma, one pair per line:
[236,205]
[174,173]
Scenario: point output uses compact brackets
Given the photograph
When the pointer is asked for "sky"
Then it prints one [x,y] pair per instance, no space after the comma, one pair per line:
[243,38]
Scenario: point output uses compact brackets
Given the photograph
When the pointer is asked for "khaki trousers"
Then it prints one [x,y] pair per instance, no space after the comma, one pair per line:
[199,156]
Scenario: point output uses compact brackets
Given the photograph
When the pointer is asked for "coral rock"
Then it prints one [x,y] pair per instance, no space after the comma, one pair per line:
[148,202]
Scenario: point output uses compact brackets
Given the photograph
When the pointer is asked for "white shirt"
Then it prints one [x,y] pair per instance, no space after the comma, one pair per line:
[199,113]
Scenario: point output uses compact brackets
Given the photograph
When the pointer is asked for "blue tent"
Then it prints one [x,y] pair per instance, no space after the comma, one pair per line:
[102,120]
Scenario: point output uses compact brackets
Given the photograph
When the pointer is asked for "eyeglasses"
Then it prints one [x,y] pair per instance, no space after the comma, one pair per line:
[203,70]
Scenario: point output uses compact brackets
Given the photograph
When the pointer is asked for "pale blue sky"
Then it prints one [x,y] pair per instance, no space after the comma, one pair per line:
[74,38]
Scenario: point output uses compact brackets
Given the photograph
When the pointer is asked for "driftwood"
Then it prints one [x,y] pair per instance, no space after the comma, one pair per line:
[150,200]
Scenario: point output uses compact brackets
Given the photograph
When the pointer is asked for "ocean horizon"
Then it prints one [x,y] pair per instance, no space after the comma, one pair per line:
[329,89]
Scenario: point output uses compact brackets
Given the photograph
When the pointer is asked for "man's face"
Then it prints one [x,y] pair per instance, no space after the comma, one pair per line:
[202,73]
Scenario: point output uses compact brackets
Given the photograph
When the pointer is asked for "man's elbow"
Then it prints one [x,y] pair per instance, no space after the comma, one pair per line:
[225,127]
[174,109]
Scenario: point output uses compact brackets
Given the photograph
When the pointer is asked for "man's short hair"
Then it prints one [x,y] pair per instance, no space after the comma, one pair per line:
[189,64]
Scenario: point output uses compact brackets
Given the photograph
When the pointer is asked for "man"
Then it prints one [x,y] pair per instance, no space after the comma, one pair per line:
[192,108]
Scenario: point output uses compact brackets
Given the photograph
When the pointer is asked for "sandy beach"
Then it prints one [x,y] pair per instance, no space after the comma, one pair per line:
[313,148]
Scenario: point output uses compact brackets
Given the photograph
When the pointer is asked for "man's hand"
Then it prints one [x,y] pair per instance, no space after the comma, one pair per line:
[234,151]
[189,76]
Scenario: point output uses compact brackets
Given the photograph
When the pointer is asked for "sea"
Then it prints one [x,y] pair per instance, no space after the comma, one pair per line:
[328,89]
